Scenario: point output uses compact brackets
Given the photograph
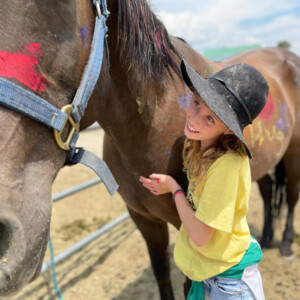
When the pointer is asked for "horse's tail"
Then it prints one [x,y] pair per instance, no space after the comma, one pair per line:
[279,189]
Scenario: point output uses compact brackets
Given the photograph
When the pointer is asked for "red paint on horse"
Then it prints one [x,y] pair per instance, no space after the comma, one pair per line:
[23,66]
[267,112]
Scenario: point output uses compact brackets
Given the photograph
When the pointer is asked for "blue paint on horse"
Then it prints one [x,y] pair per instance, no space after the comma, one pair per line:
[171,155]
[283,123]
[85,37]
[185,99]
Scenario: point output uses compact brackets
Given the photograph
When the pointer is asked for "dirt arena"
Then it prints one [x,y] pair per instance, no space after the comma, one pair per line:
[116,265]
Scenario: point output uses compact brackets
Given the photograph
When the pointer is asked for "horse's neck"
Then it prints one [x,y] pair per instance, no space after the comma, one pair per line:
[127,101]
[124,104]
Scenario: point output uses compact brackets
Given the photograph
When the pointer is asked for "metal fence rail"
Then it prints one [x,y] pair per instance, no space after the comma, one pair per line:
[75,189]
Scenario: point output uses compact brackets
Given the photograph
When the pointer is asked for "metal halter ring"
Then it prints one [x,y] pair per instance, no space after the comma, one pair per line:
[65,145]
[98,9]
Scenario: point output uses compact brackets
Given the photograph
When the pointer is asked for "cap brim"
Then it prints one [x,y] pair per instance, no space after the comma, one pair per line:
[213,100]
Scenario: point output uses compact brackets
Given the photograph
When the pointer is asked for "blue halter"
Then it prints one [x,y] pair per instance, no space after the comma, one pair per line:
[16,98]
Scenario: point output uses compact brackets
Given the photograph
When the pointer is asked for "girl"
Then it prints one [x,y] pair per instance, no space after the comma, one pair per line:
[214,247]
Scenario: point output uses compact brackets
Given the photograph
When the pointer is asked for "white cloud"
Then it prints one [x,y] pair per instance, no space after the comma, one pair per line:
[282,28]
[219,23]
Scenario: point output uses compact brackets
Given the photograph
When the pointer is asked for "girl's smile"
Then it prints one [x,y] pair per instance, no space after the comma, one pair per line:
[190,128]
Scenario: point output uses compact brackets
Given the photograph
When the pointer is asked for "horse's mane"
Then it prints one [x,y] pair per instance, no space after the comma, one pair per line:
[144,41]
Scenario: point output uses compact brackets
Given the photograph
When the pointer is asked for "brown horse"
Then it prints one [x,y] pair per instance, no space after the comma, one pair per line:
[44,48]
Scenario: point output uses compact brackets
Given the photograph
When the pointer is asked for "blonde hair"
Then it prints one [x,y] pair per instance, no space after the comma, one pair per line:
[197,162]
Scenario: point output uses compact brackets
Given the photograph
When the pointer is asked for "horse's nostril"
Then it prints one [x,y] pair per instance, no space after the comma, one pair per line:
[5,238]
[12,252]
[12,247]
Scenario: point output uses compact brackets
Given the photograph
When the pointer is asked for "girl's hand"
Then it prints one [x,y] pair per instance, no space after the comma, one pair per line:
[159,184]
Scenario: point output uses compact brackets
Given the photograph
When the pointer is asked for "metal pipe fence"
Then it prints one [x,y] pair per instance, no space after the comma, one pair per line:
[84,242]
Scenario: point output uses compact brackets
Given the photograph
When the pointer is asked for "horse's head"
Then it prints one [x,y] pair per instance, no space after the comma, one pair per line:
[44,46]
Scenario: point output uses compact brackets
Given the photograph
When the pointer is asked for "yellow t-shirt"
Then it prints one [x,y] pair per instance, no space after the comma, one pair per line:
[222,203]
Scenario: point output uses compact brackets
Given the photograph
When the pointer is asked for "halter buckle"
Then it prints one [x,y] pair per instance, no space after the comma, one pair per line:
[65,144]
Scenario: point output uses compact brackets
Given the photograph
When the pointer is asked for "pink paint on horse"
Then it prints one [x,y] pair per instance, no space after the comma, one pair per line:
[23,66]
[267,112]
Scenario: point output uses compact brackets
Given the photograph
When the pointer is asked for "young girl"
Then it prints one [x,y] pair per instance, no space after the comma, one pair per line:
[214,247]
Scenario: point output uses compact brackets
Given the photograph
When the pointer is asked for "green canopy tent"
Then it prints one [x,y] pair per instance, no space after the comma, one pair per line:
[219,54]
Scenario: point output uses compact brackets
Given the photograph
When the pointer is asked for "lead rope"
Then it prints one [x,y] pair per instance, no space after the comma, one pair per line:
[54,278]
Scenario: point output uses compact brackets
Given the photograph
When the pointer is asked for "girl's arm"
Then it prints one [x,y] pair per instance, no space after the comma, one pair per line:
[158,184]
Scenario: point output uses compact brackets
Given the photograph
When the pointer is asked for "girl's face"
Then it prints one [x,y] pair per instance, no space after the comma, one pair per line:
[202,124]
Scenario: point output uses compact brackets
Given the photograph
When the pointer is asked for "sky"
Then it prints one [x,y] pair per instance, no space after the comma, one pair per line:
[229,23]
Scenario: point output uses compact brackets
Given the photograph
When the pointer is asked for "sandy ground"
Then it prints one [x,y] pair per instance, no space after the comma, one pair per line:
[116,265]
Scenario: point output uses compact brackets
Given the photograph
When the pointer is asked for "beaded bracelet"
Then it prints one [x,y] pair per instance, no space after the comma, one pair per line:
[179,191]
